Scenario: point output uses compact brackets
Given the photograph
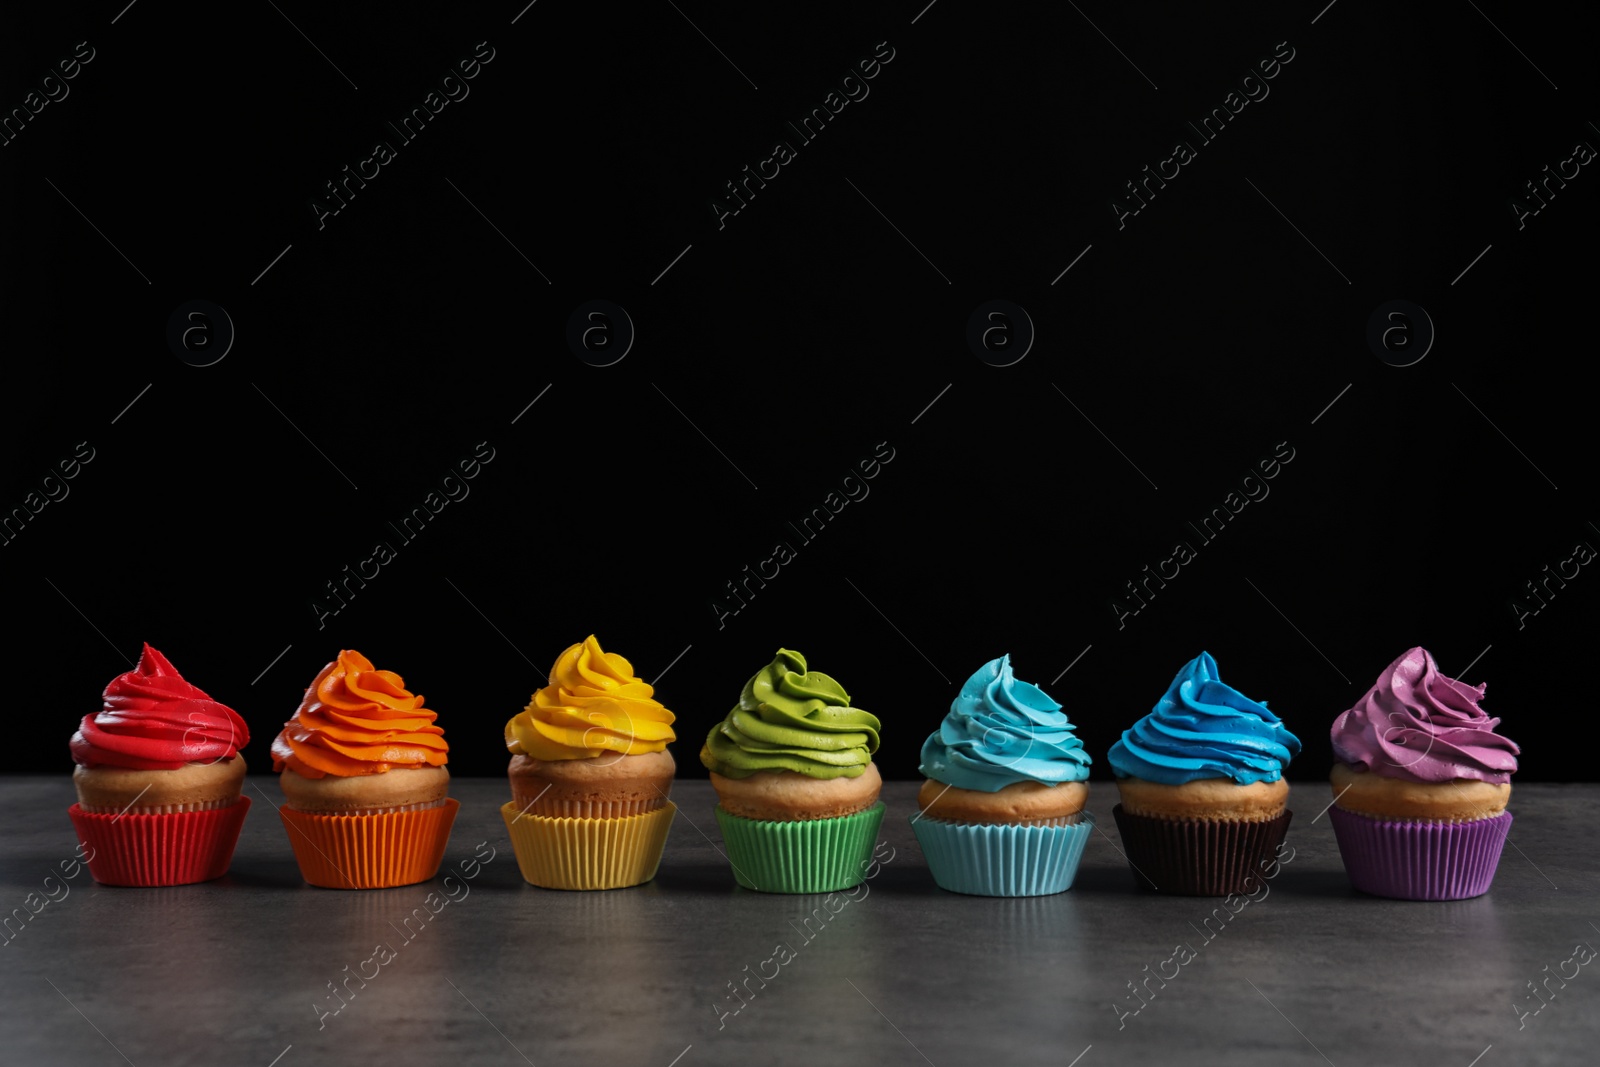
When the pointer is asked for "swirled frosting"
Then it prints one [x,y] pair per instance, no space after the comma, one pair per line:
[1000,731]
[1416,724]
[1204,728]
[593,704]
[153,720]
[356,720]
[791,719]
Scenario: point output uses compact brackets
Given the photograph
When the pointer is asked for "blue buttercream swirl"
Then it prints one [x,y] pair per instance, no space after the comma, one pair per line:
[1204,728]
[1001,731]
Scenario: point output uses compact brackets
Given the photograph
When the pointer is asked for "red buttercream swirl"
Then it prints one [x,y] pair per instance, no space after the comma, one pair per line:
[153,720]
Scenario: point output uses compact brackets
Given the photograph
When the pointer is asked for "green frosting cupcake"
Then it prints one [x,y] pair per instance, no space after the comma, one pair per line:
[791,719]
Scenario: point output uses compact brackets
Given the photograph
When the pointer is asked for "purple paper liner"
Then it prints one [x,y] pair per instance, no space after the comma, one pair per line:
[1420,860]
[1198,857]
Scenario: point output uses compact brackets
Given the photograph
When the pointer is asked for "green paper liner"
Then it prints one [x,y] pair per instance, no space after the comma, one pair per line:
[1199,857]
[809,856]
[563,853]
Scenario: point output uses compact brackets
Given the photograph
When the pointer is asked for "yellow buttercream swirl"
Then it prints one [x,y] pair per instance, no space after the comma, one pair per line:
[593,704]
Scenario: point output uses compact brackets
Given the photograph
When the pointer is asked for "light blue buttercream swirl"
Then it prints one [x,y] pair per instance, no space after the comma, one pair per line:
[1000,731]
[1204,728]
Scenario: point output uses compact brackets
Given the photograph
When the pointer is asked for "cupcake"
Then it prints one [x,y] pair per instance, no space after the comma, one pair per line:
[1002,808]
[1420,786]
[158,777]
[590,773]
[363,780]
[796,785]
[1204,803]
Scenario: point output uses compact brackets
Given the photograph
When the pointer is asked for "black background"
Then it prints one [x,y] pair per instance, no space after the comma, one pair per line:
[798,337]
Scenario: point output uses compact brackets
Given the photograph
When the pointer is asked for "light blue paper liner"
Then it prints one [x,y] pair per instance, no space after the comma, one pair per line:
[1003,860]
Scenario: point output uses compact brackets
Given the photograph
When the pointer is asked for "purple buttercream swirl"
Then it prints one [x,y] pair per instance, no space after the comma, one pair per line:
[1416,724]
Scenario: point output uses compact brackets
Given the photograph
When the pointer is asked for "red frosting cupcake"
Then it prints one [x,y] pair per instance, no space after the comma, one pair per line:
[158,778]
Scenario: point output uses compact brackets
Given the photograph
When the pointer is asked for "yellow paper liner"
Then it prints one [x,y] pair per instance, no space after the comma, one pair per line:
[557,853]
[536,803]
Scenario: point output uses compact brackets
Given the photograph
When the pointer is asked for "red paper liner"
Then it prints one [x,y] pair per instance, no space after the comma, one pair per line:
[1420,860]
[178,848]
[1199,857]
[370,851]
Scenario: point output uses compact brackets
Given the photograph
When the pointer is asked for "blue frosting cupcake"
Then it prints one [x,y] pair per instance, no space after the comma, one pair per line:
[1204,728]
[1002,809]
[1204,802]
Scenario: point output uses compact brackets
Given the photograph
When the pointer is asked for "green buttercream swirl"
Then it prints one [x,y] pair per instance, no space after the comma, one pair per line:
[791,719]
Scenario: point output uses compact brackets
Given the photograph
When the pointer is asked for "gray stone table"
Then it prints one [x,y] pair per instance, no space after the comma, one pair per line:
[238,971]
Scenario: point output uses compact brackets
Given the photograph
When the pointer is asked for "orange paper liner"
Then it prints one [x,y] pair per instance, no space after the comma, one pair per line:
[370,851]
[556,853]
[177,848]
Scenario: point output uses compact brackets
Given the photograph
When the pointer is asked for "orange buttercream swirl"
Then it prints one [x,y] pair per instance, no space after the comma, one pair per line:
[593,704]
[355,720]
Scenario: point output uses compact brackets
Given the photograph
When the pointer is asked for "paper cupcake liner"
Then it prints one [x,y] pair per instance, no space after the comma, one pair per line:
[810,856]
[1419,860]
[556,853]
[370,851]
[158,809]
[390,810]
[1003,860]
[158,850]
[585,809]
[1198,857]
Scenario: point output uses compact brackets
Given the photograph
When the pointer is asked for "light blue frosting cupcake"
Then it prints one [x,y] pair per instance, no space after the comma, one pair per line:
[1204,728]
[1000,731]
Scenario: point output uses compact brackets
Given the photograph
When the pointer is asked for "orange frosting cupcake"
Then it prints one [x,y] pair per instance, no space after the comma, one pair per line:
[364,780]
[357,720]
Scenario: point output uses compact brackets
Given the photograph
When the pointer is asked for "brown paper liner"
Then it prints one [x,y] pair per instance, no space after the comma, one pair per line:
[1199,857]
[370,851]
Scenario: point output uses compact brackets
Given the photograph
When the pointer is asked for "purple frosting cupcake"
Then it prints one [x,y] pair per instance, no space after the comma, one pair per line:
[1421,785]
